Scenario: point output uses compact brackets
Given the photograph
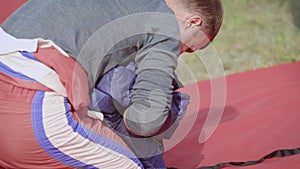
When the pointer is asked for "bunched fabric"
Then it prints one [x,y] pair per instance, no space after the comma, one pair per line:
[112,96]
[43,124]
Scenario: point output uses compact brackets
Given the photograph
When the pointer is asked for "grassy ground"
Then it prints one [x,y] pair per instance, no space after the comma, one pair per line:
[255,34]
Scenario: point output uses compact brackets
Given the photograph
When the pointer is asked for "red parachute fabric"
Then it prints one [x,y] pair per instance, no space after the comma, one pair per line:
[261,115]
[7,7]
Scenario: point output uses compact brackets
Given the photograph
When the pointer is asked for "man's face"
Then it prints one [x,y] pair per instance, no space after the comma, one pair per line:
[191,28]
[192,39]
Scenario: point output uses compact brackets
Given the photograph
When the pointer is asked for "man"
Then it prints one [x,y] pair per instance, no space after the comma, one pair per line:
[101,35]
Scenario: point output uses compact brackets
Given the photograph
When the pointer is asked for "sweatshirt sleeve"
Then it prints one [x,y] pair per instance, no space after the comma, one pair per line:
[152,91]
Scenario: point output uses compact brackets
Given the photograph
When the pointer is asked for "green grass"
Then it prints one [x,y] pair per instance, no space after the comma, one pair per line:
[255,34]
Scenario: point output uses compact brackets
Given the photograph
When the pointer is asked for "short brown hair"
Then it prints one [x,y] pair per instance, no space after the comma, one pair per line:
[212,10]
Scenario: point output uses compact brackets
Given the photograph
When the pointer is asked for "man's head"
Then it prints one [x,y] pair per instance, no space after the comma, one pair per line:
[199,21]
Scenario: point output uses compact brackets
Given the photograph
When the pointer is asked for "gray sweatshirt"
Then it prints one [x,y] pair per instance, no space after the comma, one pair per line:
[101,34]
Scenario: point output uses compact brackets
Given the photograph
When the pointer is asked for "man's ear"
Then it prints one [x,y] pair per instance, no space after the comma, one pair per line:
[193,21]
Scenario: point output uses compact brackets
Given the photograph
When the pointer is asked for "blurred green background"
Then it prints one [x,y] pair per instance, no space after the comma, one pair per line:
[255,34]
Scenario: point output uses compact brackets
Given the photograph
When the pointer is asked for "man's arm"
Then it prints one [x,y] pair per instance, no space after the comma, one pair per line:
[152,91]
